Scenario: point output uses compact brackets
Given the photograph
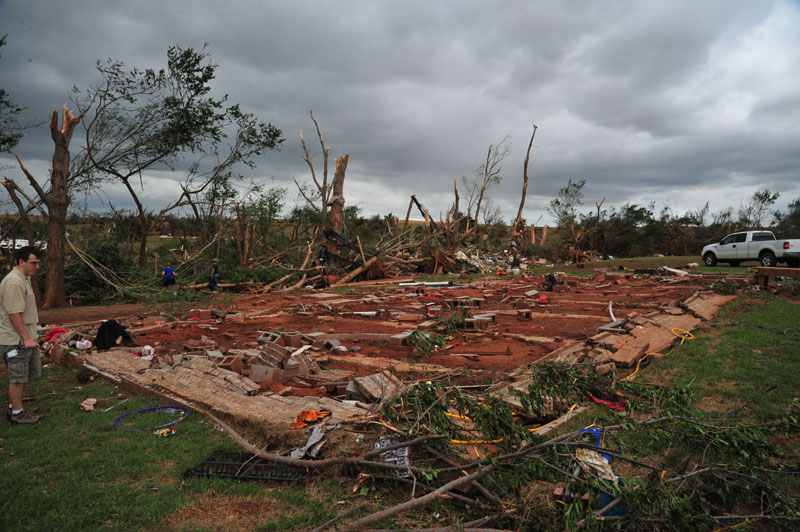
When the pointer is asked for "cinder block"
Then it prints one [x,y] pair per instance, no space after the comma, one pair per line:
[232,363]
[267,337]
[259,373]
[492,317]
[477,302]
[302,361]
[524,313]
[271,374]
[291,369]
[275,352]
[400,339]
[483,322]
[292,339]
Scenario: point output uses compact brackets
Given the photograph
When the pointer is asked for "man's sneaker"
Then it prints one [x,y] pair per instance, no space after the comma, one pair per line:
[32,410]
[25,417]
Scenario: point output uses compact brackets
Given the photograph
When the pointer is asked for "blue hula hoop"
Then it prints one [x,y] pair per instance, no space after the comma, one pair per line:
[183,416]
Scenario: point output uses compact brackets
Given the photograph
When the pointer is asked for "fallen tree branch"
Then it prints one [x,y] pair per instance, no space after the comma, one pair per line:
[358,524]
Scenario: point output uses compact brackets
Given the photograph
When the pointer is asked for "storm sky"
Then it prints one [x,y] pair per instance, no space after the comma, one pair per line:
[676,103]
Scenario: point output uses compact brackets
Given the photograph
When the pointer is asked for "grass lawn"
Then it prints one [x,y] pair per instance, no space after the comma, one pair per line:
[74,471]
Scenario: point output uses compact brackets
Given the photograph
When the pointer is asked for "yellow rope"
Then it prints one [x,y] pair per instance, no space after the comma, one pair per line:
[684,335]
[732,527]
[478,442]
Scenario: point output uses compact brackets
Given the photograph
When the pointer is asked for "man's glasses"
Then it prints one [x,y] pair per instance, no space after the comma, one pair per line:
[34,262]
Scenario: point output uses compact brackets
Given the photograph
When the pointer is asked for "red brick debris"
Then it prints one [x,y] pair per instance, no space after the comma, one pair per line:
[270,357]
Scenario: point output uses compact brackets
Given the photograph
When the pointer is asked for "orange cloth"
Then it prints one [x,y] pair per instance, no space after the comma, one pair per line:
[308,416]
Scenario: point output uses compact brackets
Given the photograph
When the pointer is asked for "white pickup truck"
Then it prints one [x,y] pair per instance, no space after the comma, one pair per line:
[753,245]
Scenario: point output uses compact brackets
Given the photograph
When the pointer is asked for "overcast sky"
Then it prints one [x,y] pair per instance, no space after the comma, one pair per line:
[676,103]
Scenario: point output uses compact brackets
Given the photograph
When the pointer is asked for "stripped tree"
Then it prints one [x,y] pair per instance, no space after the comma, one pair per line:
[517,228]
[488,175]
[56,201]
[327,199]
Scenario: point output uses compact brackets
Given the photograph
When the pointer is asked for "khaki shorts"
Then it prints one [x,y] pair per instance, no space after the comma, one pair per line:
[25,364]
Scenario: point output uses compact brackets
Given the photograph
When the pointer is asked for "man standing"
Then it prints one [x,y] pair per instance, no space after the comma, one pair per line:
[18,331]
[214,281]
[168,275]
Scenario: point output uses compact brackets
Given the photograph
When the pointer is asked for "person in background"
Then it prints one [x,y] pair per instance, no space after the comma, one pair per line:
[168,275]
[214,281]
[19,321]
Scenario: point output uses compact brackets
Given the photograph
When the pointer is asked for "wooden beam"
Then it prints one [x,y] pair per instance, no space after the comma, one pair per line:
[352,275]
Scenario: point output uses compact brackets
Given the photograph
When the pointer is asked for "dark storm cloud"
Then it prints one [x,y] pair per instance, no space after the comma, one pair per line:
[648,101]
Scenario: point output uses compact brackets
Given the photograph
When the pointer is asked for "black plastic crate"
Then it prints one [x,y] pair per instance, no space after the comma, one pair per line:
[244,467]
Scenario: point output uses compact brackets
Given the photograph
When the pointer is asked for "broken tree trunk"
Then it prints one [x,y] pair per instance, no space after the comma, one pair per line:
[515,228]
[336,220]
[57,203]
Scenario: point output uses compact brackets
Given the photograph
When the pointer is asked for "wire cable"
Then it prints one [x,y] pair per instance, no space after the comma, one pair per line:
[184,415]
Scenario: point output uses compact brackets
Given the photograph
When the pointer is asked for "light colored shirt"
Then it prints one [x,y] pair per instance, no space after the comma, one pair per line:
[16,297]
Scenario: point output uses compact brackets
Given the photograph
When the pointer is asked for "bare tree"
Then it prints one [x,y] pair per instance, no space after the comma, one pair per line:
[328,196]
[488,175]
[518,227]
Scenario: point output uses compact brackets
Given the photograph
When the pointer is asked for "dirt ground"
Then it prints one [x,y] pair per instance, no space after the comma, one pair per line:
[72,315]
[522,328]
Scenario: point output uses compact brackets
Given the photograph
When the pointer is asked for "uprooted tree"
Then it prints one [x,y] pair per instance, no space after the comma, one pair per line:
[141,120]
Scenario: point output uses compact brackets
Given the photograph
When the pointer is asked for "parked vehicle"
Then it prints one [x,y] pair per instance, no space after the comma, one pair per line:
[753,245]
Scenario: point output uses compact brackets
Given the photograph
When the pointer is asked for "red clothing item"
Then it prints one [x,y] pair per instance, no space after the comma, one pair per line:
[308,416]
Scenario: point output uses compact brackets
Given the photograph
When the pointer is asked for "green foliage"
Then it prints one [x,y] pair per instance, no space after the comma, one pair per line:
[138,120]
[10,128]
[84,285]
[565,205]
[788,223]
[755,208]
[424,343]
[455,322]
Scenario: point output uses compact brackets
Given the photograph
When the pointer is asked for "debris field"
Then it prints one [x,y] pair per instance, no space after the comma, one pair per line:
[271,356]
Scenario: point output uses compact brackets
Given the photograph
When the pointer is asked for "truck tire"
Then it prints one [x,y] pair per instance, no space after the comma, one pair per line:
[734,262]
[710,259]
[767,258]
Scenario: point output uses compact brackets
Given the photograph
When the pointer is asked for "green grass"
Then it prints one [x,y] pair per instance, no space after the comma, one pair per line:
[74,471]
[752,346]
